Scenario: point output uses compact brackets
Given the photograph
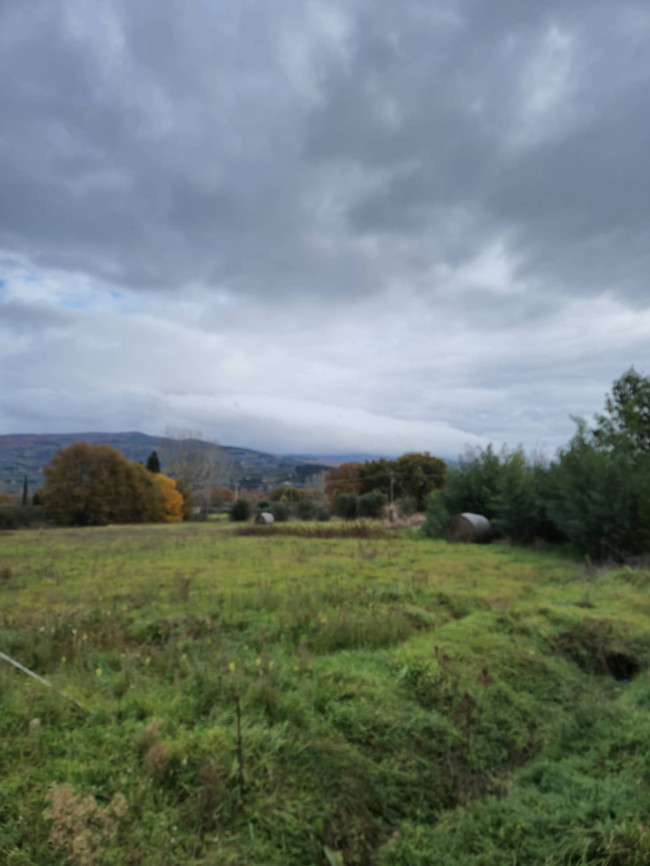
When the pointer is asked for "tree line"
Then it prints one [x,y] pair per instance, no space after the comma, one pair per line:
[364,489]
[595,495]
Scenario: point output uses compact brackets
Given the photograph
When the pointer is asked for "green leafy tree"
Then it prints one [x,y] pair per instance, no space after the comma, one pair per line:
[517,509]
[600,492]
[378,475]
[413,475]
[600,497]
[474,484]
[418,473]
[625,422]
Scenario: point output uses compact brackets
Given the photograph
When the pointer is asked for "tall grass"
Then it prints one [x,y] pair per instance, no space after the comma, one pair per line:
[292,700]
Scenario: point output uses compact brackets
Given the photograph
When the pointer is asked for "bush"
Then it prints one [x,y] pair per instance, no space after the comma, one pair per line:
[17,517]
[437,515]
[347,506]
[323,514]
[281,511]
[306,509]
[372,504]
[240,510]
[408,505]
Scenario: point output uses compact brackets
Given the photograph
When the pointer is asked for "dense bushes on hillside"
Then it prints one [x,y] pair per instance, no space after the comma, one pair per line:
[88,485]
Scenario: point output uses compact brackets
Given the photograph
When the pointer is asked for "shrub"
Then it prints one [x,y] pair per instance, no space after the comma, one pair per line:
[16,517]
[240,510]
[347,506]
[436,515]
[408,505]
[281,511]
[82,829]
[307,509]
[323,514]
[371,504]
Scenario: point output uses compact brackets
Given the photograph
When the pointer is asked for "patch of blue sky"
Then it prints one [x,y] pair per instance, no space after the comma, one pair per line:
[73,303]
[126,303]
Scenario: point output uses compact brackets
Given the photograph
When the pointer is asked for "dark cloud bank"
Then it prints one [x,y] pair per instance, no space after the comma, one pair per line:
[322,225]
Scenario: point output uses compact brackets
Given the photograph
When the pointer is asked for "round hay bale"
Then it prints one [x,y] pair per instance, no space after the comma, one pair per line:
[264,518]
[468,528]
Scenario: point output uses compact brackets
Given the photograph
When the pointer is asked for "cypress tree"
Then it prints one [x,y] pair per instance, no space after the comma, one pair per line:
[153,463]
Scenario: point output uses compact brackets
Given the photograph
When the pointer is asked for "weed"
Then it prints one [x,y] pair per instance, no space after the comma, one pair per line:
[156,760]
[81,828]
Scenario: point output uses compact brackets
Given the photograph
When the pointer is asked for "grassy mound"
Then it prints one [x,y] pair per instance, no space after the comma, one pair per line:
[298,700]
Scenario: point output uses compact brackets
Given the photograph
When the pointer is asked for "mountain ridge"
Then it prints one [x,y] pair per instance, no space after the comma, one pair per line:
[25,454]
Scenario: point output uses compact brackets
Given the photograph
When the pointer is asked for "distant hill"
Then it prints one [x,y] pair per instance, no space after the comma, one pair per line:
[27,454]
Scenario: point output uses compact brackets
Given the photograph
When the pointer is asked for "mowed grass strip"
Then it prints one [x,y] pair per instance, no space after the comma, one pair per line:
[297,700]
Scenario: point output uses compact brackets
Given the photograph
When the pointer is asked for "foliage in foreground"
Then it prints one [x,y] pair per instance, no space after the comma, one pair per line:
[400,702]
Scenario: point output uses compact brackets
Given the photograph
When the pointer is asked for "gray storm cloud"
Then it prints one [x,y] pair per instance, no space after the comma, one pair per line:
[371,227]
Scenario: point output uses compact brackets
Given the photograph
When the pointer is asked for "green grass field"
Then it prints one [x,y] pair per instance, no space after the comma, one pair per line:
[400,701]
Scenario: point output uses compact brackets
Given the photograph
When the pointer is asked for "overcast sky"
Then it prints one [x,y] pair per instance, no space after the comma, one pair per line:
[330,226]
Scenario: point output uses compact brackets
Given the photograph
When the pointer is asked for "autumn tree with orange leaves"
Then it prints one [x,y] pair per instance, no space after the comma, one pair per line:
[342,479]
[90,485]
[172,498]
